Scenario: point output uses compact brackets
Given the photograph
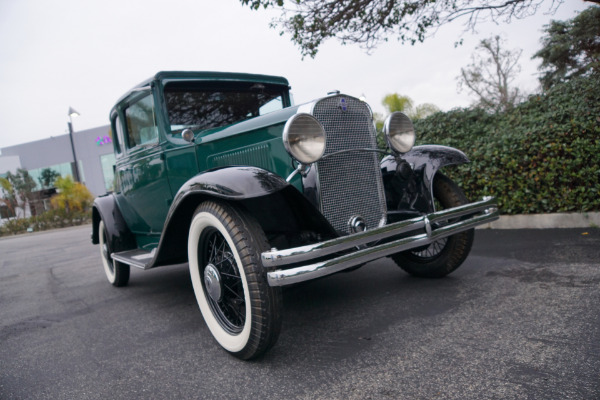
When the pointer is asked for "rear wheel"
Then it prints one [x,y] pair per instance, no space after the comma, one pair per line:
[241,310]
[445,255]
[117,273]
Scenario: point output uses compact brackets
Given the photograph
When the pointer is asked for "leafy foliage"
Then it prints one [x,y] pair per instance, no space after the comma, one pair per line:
[370,22]
[71,206]
[52,219]
[490,75]
[570,48]
[72,196]
[9,197]
[47,178]
[423,111]
[395,102]
[541,156]
[17,190]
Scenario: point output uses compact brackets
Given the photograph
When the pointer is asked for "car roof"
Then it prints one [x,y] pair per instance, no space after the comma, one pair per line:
[171,76]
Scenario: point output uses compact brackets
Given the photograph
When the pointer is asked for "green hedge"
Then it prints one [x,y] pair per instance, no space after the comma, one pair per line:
[542,156]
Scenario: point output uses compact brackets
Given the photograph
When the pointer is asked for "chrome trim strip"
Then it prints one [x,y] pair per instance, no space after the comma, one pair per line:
[136,258]
[323,268]
[141,89]
[335,153]
[129,261]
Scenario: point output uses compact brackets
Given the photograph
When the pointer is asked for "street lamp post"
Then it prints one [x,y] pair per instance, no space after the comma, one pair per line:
[73,113]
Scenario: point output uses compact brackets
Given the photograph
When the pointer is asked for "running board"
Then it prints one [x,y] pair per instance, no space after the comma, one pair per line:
[137,258]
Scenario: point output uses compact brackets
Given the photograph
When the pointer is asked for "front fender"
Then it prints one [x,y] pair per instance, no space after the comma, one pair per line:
[232,183]
[276,205]
[408,178]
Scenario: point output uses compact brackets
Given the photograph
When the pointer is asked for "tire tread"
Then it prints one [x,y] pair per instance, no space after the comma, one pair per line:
[266,303]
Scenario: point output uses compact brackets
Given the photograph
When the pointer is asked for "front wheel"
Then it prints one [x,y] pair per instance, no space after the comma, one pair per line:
[445,255]
[241,310]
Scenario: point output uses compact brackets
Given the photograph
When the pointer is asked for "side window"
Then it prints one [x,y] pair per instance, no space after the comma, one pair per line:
[141,123]
[117,135]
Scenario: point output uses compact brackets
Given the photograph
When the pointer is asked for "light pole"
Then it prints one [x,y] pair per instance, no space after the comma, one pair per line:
[73,113]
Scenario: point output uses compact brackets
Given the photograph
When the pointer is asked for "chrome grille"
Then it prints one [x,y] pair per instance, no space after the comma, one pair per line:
[350,182]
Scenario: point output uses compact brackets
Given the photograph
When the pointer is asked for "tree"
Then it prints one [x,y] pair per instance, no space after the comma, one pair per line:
[423,111]
[395,102]
[47,177]
[570,48]
[370,22]
[22,189]
[9,197]
[490,75]
[72,196]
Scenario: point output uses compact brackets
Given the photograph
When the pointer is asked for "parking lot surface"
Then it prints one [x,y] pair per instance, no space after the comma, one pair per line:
[519,320]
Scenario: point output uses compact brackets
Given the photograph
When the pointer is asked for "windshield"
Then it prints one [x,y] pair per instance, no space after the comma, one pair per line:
[206,105]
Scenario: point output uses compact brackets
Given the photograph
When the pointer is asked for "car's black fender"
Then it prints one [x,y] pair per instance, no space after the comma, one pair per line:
[281,210]
[120,238]
[408,178]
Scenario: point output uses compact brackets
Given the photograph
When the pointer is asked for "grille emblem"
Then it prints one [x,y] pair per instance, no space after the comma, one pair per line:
[343,104]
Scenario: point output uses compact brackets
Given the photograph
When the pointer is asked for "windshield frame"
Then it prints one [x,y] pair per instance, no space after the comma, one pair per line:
[228,102]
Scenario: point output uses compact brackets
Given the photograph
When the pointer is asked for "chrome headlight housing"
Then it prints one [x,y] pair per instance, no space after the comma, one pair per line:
[304,138]
[400,132]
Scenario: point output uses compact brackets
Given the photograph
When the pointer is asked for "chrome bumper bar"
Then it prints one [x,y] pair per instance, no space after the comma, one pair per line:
[478,213]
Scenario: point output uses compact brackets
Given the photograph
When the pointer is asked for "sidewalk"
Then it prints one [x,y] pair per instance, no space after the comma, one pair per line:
[545,221]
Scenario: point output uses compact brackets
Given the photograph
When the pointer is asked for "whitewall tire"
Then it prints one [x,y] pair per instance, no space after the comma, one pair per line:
[117,273]
[241,310]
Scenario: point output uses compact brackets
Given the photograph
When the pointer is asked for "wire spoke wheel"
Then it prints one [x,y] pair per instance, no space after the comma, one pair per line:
[230,305]
[241,310]
[431,251]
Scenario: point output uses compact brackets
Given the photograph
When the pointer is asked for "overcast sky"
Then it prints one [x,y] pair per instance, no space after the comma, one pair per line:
[85,54]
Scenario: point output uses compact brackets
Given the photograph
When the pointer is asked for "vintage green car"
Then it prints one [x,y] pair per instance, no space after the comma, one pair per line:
[222,171]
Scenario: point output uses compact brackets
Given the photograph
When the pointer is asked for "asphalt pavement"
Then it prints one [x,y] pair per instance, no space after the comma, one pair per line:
[519,320]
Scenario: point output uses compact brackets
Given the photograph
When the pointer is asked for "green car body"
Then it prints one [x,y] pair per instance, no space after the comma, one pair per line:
[219,169]
[162,166]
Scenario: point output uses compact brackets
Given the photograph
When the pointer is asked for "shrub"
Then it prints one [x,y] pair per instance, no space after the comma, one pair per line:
[72,196]
[542,156]
[70,207]
[52,219]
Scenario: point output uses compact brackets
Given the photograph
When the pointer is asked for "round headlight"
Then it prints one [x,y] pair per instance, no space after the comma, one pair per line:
[304,138]
[400,132]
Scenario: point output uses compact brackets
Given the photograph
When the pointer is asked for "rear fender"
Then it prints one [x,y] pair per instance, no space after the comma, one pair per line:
[120,238]
[408,178]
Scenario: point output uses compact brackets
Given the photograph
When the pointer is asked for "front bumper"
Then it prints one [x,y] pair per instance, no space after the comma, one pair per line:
[312,261]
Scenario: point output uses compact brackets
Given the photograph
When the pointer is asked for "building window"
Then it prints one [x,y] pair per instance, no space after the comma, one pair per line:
[108,161]
[63,170]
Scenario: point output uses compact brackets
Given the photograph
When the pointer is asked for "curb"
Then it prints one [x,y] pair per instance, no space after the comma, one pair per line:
[546,221]
[529,221]
[45,231]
